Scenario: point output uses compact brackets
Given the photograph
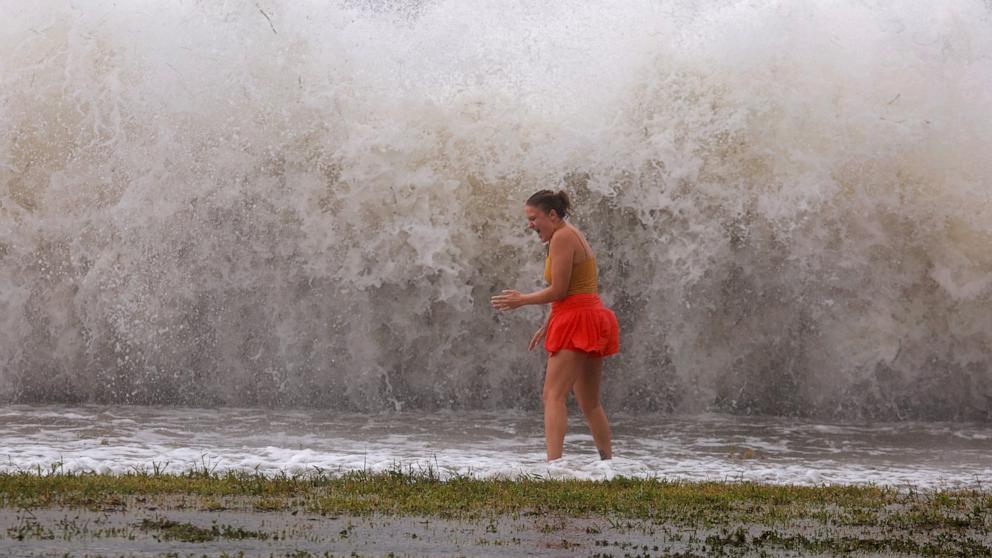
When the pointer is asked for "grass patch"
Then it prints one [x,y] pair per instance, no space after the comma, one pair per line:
[187,532]
[711,518]
[424,493]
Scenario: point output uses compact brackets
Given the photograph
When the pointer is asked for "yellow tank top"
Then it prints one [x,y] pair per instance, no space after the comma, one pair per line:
[584,276]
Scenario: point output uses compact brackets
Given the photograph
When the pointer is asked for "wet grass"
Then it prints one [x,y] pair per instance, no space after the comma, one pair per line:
[719,518]
[424,493]
[187,532]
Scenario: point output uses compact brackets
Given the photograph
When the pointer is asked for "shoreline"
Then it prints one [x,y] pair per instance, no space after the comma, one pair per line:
[414,514]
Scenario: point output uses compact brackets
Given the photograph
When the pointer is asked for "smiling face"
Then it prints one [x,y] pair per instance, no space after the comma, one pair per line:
[543,223]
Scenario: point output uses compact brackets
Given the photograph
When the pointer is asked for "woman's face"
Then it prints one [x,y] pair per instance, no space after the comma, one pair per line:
[538,220]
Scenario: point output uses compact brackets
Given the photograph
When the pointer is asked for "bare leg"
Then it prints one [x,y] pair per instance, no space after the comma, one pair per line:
[563,368]
[586,390]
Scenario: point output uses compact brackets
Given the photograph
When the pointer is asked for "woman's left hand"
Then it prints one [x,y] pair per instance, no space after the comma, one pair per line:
[509,300]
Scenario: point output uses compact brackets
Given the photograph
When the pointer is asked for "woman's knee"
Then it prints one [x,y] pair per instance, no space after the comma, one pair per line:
[553,397]
[588,407]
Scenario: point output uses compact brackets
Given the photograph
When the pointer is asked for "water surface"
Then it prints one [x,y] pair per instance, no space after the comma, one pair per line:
[493,444]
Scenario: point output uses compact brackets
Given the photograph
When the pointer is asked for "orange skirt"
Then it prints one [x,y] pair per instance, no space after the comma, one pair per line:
[580,322]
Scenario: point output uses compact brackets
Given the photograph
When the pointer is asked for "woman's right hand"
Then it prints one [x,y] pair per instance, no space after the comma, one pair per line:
[537,337]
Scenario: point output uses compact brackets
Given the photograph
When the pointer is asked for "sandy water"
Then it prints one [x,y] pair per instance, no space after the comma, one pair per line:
[493,444]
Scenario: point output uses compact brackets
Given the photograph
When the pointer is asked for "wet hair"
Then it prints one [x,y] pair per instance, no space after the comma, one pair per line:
[548,200]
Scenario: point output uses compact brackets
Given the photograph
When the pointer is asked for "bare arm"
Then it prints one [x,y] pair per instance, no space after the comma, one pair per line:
[561,250]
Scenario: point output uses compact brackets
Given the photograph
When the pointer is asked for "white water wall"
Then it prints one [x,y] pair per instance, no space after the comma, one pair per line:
[310,203]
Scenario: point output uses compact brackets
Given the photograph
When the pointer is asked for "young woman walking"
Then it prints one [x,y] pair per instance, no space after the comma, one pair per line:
[579,330]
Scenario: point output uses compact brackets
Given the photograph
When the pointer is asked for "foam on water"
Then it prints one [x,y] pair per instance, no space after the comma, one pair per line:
[491,445]
[302,203]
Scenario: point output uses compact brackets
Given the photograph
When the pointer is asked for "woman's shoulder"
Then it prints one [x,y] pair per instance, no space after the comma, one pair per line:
[562,245]
[565,240]
[577,236]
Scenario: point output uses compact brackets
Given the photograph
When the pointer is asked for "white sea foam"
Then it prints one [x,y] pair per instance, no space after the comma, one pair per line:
[487,445]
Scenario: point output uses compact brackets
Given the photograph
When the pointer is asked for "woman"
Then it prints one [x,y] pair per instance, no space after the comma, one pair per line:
[579,330]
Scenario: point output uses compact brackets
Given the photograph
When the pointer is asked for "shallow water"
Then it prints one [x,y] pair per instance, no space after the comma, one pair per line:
[490,444]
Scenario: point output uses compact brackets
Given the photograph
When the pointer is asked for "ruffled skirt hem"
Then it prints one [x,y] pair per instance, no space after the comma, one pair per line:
[580,322]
